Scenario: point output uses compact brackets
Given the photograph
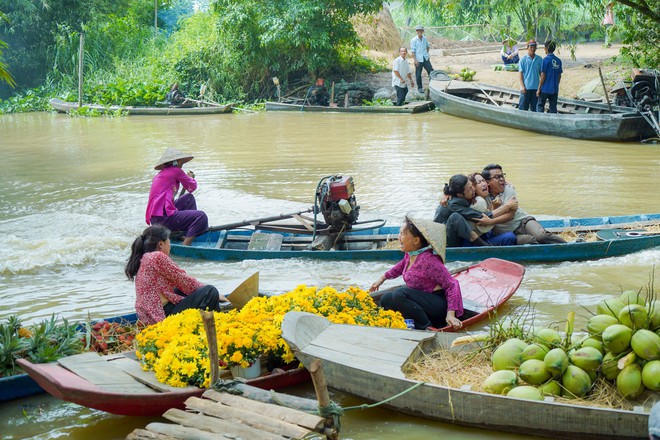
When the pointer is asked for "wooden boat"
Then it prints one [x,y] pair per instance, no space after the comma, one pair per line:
[117,384]
[412,107]
[369,363]
[22,385]
[65,107]
[372,245]
[575,119]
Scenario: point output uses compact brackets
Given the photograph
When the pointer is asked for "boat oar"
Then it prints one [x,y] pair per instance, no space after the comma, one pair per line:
[607,97]
[257,221]
[245,291]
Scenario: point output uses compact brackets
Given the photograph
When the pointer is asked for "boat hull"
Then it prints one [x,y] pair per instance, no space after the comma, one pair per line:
[64,107]
[205,246]
[354,359]
[619,126]
[413,107]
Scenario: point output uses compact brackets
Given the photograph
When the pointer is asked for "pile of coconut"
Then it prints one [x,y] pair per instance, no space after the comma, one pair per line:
[615,363]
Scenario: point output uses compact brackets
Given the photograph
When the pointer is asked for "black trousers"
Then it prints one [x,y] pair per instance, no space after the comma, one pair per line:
[401,93]
[426,65]
[206,297]
[426,309]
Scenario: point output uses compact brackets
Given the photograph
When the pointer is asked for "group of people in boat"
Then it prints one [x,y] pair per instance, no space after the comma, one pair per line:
[480,209]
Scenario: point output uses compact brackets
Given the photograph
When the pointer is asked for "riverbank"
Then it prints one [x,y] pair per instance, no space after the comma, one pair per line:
[580,74]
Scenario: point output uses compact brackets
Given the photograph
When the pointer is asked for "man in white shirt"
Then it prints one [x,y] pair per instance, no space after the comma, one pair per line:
[419,49]
[401,71]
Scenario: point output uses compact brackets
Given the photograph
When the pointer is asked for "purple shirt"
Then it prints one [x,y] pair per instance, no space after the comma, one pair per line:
[426,273]
[163,188]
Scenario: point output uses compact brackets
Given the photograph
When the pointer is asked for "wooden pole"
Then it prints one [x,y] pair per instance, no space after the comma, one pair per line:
[607,97]
[212,339]
[81,59]
[320,386]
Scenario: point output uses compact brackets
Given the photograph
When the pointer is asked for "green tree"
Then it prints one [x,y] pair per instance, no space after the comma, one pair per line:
[4,73]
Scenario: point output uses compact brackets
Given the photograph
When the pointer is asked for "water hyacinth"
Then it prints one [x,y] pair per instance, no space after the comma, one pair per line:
[176,348]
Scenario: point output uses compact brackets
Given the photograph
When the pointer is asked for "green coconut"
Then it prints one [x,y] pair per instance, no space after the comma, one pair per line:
[646,344]
[516,342]
[587,358]
[595,343]
[576,382]
[616,338]
[525,392]
[651,375]
[534,351]
[500,382]
[533,372]
[609,367]
[598,323]
[548,337]
[556,362]
[633,297]
[654,315]
[634,316]
[506,356]
[610,306]
[629,381]
[551,388]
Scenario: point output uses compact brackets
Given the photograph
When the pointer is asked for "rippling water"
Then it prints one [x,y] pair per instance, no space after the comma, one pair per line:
[74,191]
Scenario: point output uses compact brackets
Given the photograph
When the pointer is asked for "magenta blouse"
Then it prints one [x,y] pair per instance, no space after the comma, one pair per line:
[426,273]
[163,187]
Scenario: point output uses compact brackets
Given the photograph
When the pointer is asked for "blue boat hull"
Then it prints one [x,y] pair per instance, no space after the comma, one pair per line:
[204,246]
[22,385]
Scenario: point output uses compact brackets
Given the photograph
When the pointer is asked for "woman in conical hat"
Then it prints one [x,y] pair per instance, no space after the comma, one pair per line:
[431,296]
[180,214]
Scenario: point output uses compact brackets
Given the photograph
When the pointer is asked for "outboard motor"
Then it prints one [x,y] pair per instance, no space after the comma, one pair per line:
[335,200]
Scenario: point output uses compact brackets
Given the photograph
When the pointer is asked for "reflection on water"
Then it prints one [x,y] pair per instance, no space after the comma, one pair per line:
[74,192]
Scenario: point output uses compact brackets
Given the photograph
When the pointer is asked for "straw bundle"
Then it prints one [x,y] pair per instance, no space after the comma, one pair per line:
[378,32]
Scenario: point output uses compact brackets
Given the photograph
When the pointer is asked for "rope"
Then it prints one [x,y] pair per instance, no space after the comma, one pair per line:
[373,405]
[229,386]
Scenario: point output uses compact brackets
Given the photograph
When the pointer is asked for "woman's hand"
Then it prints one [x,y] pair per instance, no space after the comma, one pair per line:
[377,284]
[485,221]
[453,320]
[191,174]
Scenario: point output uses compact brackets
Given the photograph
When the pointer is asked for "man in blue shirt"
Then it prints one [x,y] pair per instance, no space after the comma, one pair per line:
[530,71]
[551,71]
[419,49]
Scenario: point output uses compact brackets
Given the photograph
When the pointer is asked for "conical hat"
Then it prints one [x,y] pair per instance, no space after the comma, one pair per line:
[435,234]
[172,154]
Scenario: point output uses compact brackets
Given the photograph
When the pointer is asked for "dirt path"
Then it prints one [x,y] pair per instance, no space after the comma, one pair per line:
[578,73]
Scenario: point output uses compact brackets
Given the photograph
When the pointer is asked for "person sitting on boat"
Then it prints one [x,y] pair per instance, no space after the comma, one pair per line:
[461,219]
[523,225]
[509,52]
[482,203]
[621,98]
[431,296]
[530,75]
[161,287]
[180,214]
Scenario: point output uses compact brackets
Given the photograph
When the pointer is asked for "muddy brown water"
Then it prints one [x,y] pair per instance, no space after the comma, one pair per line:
[74,192]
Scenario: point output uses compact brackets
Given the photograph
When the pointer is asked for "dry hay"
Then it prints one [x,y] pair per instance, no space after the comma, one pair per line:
[573,235]
[378,32]
[455,370]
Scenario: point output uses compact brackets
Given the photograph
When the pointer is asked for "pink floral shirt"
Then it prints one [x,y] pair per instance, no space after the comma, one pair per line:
[163,187]
[158,274]
[426,273]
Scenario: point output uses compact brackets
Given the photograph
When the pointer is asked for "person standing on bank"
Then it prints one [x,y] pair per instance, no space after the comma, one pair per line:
[401,71]
[431,297]
[419,49]
[161,287]
[530,73]
[180,214]
[551,70]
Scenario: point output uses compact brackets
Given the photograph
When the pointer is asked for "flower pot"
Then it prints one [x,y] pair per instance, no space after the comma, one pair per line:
[251,372]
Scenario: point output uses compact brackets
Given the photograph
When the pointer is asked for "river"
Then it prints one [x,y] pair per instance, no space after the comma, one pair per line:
[74,191]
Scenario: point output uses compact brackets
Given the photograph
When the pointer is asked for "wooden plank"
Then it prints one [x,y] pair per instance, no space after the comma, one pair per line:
[218,426]
[360,362]
[254,414]
[96,370]
[148,378]
[183,433]
[257,394]
[143,434]
[285,414]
